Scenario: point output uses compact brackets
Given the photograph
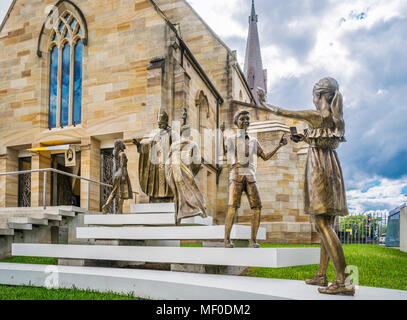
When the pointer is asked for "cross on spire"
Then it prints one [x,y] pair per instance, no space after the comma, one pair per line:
[253,67]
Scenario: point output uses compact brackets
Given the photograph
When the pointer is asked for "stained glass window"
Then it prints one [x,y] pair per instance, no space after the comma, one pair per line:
[77,96]
[65,96]
[61,26]
[66,62]
[53,91]
[73,24]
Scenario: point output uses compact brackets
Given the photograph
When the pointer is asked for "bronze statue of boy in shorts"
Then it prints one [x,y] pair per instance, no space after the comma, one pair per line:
[241,150]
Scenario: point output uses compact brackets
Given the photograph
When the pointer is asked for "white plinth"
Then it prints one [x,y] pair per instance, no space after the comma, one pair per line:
[244,257]
[167,233]
[153,208]
[165,285]
[151,219]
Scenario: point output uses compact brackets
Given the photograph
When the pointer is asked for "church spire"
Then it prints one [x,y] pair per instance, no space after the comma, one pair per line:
[253,67]
[253,16]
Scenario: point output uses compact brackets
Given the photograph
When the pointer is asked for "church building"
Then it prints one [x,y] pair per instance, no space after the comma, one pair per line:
[81,73]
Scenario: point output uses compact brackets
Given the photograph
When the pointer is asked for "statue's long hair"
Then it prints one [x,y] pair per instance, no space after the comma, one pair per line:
[329,88]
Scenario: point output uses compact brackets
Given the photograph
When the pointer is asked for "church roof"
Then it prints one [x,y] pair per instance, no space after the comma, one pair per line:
[253,67]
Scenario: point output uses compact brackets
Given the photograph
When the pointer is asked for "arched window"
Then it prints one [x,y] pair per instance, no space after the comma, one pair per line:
[65,87]
[203,111]
[205,127]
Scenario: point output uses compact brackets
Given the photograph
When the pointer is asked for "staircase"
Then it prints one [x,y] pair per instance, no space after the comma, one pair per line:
[148,236]
[38,225]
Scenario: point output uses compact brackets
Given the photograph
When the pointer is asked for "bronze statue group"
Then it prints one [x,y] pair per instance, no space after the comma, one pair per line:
[169,163]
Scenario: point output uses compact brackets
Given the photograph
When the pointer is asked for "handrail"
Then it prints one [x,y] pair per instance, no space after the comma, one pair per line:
[44,171]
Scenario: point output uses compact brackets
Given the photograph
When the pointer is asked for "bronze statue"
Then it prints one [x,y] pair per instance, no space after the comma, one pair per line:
[241,150]
[183,164]
[121,184]
[153,155]
[324,190]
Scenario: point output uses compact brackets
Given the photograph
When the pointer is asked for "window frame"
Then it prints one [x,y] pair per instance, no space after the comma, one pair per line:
[59,40]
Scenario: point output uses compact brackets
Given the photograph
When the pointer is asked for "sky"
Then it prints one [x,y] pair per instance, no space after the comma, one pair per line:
[361,43]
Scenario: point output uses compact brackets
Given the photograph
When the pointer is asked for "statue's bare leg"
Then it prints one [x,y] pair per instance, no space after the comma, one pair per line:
[255,227]
[120,202]
[228,226]
[332,245]
[320,279]
[335,251]
[109,200]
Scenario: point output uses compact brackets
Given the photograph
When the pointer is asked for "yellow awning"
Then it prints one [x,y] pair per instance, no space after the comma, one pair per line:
[52,148]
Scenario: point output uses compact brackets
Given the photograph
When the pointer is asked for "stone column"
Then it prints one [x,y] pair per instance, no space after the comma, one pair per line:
[40,160]
[155,91]
[90,168]
[403,229]
[9,184]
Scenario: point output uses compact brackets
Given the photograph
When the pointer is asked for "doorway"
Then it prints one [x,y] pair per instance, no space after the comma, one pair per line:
[106,175]
[24,182]
[65,190]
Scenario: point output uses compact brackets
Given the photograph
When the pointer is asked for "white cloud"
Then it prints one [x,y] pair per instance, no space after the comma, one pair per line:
[219,16]
[387,195]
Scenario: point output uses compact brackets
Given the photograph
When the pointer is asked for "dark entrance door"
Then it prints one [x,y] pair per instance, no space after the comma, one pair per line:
[24,183]
[106,174]
[65,190]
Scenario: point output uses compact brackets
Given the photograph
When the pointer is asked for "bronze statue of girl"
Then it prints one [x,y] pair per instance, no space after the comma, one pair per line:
[121,184]
[324,190]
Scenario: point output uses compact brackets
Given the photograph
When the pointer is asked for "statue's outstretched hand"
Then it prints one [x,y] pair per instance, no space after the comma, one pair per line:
[283,141]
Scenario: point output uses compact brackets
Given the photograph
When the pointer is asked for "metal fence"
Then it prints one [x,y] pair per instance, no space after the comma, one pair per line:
[55,171]
[363,229]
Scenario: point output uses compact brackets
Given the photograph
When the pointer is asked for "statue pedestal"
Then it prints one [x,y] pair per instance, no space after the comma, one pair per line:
[122,264]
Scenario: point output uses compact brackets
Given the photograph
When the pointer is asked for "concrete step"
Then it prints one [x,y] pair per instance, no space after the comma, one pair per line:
[6,231]
[28,220]
[72,208]
[70,211]
[164,219]
[35,215]
[239,232]
[244,257]
[20,226]
[153,208]
[166,285]
[66,213]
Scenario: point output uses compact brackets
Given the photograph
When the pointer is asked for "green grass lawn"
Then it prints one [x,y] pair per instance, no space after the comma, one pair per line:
[377,267]
[31,293]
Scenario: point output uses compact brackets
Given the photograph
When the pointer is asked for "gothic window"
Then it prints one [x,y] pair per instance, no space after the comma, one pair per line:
[203,112]
[204,127]
[65,81]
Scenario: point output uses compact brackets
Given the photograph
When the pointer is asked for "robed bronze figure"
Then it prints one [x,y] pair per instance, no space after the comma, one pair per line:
[241,150]
[121,184]
[153,156]
[324,190]
[183,164]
